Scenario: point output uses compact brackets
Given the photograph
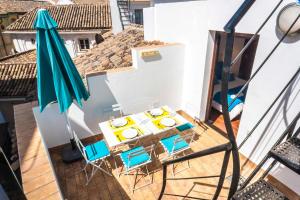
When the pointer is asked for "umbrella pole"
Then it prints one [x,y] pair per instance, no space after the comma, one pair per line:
[70,130]
[70,153]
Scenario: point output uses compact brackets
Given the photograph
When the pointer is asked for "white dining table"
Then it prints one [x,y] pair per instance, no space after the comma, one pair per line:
[149,125]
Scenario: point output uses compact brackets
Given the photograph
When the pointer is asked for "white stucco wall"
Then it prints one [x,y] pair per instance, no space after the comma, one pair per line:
[23,41]
[183,22]
[189,22]
[151,81]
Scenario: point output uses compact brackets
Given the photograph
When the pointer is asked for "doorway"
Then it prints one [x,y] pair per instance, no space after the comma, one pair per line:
[240,72]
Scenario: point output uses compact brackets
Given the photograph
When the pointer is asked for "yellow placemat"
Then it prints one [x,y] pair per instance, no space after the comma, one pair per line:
[165,114]
[157,123]
[130,122]
[121,138]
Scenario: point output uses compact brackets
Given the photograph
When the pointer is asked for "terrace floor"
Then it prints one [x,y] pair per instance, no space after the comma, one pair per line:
[72,179]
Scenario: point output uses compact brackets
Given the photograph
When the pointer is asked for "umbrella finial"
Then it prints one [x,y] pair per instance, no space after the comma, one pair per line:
[43,20]
[41,9]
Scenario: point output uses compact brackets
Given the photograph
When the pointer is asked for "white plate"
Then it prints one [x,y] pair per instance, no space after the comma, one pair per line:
[168,122]
[156,112]
[119,122]
[130,133]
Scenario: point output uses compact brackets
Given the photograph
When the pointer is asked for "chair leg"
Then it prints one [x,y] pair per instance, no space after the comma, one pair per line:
[135,177]
[148,174]
[105,171]
[173,167]
[91,176]
[94,170]
[86,175]
[120,172]
[129,182]
[188,161]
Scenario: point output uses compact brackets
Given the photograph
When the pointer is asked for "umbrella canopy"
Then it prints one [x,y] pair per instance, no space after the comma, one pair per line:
[57,77]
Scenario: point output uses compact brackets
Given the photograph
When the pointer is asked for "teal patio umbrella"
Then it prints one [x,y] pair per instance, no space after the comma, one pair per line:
[57,77]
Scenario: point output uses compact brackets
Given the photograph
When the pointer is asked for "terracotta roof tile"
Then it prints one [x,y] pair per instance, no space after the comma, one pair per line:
[18,72]
[19,6]
[89,1]
[84,17]
[17,80]
[23,57]
[114,52]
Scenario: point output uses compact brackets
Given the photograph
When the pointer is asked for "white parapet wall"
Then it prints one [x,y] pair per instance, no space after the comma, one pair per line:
[154,79]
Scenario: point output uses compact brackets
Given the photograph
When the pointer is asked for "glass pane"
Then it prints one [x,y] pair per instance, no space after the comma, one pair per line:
[87,44]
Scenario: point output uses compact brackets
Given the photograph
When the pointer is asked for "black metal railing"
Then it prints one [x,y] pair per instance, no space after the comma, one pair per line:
[269,108]
[217,149]
[124,7]
[266,59]
[231,147]
[287,133]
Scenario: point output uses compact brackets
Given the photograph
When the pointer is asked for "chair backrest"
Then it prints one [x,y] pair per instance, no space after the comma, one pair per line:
[80,146]
[146,150]
[185,127]
[188,138]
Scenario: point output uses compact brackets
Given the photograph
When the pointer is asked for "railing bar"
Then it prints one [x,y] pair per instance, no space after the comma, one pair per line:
[274,162]
[227,121]
[244,49]
[255,35]
[217,149]
[262,162]
[222,175]
[238,15]
[267,111]
[175,179]
[178,195]
[265,60]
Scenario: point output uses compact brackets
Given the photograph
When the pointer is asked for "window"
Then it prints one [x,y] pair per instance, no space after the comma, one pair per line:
[84,44]
[32,41]
[138,16]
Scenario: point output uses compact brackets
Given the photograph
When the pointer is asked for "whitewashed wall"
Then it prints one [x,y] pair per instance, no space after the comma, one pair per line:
[189,22]
[150,81]
[23,42]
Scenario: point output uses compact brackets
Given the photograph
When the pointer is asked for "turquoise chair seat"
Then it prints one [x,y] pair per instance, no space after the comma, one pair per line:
[134,160]
[168,144]
[96,151]
[185,126]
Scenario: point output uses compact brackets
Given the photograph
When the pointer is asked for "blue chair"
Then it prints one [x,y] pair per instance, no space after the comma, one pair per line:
[185,127]
[133,160]
[176,144]
[95,155]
